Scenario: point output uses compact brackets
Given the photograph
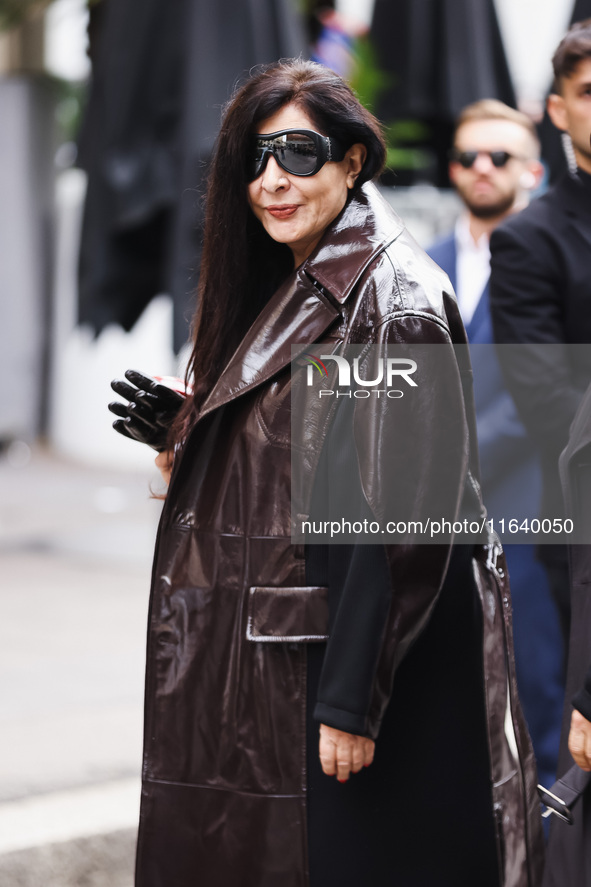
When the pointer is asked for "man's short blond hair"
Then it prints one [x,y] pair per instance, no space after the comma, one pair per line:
[493,109]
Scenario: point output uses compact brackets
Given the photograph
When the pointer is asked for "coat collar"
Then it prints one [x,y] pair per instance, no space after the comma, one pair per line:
[576,195]
[311,298]
[365,227]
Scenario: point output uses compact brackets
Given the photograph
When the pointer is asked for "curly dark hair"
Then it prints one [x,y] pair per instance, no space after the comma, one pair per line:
[241,265]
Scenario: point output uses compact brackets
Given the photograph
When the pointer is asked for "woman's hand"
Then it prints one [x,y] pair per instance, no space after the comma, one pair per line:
[164,462]
[579,740]
[344,753]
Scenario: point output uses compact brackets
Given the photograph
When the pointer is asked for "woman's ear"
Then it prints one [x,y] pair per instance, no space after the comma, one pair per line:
[355,158]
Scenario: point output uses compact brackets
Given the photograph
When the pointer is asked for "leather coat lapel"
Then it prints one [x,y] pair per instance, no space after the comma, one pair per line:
[365,228]
[297,312]
[311,298]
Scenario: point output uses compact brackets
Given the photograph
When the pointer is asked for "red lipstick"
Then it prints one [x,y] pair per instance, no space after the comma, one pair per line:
[282,211]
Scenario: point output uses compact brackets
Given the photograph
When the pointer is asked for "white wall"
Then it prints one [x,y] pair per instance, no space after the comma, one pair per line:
[82,367]
[531,32]
[65,39]
[360,11]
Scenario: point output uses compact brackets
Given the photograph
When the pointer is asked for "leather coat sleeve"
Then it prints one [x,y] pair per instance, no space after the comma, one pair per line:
[413,449]
[358,583]
[431,434]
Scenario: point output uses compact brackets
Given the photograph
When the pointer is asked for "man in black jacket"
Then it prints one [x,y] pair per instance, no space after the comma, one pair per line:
[541,294]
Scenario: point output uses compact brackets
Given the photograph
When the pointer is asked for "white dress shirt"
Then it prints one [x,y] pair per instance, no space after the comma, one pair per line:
[472,267]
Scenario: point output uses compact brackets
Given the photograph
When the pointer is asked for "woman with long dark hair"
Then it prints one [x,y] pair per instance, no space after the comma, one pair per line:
[321,714]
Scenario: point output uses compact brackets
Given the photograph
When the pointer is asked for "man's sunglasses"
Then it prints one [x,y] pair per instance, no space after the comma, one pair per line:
[468,158]
[301,152]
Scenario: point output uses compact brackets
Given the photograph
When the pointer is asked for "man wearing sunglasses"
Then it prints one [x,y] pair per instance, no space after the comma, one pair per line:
[494,165]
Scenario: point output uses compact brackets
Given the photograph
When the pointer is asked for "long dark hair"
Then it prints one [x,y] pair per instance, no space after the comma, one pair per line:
[241,265]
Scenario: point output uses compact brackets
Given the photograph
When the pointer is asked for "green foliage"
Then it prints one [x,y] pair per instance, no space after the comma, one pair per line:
[403,137]
[70,102]
[403,140]
[367,79]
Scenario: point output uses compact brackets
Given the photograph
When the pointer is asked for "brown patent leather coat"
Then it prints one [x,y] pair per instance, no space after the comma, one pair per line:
[223,802]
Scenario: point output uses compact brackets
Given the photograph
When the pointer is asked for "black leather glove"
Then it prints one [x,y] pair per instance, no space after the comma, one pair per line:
[150,411]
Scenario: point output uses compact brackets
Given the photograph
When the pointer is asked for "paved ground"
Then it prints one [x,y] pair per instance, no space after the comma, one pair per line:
[75,556]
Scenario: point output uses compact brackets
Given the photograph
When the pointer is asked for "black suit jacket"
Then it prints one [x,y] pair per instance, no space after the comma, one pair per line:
[540,296]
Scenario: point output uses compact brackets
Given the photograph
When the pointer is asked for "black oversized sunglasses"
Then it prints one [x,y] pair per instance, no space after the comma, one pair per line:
[301,152]
[468,158]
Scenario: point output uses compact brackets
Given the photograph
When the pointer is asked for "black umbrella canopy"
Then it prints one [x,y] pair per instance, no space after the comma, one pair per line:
[226,40]
[440,56]
[437,57]
[581,11]
[162,71]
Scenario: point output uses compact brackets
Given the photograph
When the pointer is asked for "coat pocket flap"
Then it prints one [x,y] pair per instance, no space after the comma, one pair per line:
[287,614]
